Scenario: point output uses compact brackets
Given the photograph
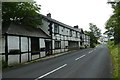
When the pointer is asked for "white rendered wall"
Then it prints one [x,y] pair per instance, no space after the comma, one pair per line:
[13,42]
[24,44]
[42,43]
[2,45]
[68,32]
[29,44]
[53,28]
[24,57]
[13,59]
[79,44]
[53,44]
[66,43]
[62,44]
[60,29]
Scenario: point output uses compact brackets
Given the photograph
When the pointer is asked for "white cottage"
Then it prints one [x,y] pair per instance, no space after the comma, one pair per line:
[23,43]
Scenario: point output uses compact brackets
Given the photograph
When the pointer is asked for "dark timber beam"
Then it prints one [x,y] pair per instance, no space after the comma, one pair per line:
[6,49]
[28,49]
[20,48]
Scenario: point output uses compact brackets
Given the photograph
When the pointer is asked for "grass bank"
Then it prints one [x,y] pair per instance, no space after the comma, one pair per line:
[114,50]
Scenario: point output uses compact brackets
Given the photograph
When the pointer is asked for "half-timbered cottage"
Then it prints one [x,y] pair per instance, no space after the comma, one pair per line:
[23,43]
[64,37]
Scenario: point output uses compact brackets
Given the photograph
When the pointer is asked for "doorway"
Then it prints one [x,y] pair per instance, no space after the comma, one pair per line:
[47,47]
[35,45]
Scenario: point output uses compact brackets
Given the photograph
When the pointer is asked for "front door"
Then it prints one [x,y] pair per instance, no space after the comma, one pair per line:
[35,45]
[47,47]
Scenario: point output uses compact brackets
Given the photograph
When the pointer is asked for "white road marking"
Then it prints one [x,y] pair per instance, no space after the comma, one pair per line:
[90,52]
[51,72]
[80,57]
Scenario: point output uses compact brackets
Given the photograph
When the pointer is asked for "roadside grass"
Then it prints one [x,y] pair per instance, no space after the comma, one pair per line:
[115,58]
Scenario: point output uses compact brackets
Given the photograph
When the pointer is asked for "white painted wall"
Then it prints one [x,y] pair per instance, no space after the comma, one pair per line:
[60,30]
[24,57]
[42,43]
[35,56]
[53,28]
[29,44]
[66,43]
[42,54]
[62,44]
[24,44]
[13,59]
[79,44]
[13,42]
[68,32]
[2,45]
[53,45]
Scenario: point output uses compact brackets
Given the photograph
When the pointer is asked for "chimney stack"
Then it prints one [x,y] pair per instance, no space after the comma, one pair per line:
[76,26]
[49,15]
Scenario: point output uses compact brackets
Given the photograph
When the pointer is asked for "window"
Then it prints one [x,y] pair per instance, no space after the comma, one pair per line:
[76,34]
[56,28]
[70,32]
[57,45]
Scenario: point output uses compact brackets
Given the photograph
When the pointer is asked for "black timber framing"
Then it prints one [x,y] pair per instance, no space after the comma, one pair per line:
[50,31]
[20,48]
[28,49]
[64,42]
[39,47]
[24,36]
[60,43]
[6,48]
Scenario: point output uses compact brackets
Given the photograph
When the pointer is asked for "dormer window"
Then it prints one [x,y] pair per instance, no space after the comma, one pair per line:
[56,28]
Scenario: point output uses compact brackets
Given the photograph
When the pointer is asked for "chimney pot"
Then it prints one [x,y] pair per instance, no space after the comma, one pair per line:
[49,15]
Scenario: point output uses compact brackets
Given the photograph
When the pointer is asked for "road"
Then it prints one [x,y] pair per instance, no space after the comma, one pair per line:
[85,63]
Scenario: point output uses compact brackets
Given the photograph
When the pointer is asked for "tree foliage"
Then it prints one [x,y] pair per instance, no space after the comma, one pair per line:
[94,33]
[21,13]
[95,30]
[113,23]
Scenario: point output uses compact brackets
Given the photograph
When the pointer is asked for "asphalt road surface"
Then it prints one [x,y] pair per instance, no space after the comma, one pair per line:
[85,63]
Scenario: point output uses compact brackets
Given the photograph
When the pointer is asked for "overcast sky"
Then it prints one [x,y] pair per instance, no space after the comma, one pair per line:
[78,12]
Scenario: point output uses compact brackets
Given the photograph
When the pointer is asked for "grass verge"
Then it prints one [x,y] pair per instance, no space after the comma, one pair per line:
[114,50]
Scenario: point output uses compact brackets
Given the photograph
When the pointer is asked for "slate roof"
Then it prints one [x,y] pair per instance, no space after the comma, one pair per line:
[62,24]
[16,29]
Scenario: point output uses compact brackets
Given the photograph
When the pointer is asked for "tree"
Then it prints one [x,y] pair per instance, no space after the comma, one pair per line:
[95,30]
[110,25]
[21,12]
[113,24]
[94,33]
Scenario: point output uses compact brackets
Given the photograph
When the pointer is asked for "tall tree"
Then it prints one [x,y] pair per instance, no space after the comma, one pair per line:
[94,33]
[113,24]
[95,30]
[21,12]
